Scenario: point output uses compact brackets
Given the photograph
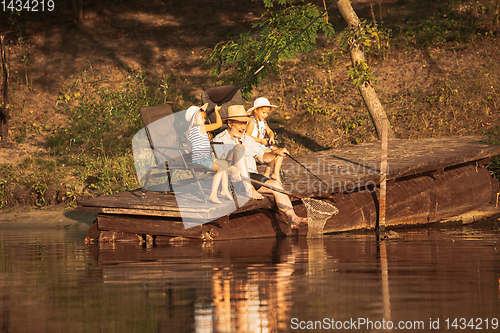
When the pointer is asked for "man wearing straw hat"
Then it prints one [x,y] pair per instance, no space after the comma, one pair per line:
[242,150]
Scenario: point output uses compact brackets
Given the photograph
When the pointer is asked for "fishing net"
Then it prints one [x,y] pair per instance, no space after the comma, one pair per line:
[318,212]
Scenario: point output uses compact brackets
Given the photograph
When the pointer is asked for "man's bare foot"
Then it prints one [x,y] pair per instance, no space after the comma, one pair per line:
[227,195]
[296,221]
[214,199]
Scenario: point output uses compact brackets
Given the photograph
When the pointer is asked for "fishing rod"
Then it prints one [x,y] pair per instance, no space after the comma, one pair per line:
[302,165]
[274,188]
[272,58]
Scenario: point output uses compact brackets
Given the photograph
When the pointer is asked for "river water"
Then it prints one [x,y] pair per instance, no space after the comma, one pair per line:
[432,279]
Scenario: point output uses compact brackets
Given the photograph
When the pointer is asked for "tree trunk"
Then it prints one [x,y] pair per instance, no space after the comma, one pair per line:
[4,111]
[78,11]
[369,95]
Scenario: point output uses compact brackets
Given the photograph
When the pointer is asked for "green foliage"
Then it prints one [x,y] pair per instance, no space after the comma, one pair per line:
[353,122]
[270,3]
[18,21]
[361,73]
[7,176]
[438,31]
[239,59]
[447,24]
[312,110]
[106,174]
[46,181]
[103,120]
[375,39]
[92,154]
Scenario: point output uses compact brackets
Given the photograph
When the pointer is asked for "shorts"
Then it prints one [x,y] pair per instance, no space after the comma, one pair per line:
[206,161]
[260,178]
[261,146]
[240,187]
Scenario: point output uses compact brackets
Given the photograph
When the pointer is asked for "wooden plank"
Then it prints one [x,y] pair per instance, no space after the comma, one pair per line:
[146,225]
[383,174]
[358,165]
[417,201]
[162,204]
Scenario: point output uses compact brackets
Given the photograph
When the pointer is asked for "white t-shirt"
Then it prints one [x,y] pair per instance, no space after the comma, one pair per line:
[259,129]
[252,150]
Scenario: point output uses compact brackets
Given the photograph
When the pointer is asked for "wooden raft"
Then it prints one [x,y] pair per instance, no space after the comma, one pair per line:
[343,169]
[162,204]
[359,165]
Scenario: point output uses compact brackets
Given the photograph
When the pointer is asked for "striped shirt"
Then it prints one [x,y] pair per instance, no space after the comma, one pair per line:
[200,144]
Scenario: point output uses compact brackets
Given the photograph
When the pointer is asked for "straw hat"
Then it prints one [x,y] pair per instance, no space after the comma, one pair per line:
[260,102]
[237,112]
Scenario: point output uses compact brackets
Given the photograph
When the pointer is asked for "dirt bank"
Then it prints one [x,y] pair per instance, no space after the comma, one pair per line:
[55,217]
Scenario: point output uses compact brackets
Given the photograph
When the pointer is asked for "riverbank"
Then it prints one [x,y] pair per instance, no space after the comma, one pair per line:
[56,217]
[74,94]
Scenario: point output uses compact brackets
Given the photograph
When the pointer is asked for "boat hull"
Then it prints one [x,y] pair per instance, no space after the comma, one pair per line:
[418,200]
[412,201]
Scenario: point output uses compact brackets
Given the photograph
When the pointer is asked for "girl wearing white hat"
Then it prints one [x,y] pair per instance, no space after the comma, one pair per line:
[201,151]
[258,128]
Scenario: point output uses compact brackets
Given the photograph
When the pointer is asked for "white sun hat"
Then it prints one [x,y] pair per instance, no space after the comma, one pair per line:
[192,111]
[260,102]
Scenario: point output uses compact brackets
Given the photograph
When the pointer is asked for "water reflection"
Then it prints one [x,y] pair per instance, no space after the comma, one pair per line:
[253,301]
[49,280]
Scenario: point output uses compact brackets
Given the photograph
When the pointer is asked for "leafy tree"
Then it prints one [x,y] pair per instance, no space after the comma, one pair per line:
[360,72]
[243,58]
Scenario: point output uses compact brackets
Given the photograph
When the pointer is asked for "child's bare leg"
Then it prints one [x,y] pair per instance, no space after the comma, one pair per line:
[269,161]
[267,173]
[225,179]
[277,167]
[215,183]
[273,162]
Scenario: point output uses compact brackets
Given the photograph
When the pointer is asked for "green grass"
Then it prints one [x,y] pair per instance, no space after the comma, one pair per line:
[455,23]
[102,119]
[91,155]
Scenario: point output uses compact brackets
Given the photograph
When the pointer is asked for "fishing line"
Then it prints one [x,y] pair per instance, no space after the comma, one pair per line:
[302,165]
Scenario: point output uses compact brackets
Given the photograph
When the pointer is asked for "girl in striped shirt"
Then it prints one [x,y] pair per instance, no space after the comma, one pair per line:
[201,150]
